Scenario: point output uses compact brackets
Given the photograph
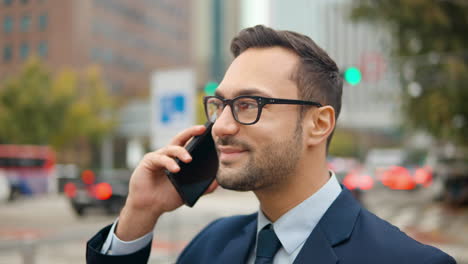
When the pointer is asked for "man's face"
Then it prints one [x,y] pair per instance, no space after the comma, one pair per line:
[264,154]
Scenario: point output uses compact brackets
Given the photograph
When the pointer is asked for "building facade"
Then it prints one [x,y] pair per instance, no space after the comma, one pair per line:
[128,39]
[215,23]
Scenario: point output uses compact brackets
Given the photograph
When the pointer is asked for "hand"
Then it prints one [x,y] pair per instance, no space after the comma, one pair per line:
[151,193]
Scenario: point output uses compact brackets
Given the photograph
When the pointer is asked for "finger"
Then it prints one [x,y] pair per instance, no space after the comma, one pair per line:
[185,135]
[176,152]
[156,161]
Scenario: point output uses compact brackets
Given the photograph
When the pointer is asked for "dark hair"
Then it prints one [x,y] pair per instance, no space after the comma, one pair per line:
[317,76]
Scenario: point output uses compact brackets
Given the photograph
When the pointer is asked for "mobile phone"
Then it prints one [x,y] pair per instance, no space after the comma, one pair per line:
[195,177]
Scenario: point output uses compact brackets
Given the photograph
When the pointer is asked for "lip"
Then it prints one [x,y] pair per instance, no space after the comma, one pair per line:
[229,153]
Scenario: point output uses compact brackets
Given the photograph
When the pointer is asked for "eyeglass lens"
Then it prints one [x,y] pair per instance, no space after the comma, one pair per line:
[245,110]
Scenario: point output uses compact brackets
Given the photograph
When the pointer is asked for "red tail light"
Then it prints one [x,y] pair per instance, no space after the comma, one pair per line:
[87,176]
[366,182]
[70,190]
[423,176]
[354,180]
[103,191]
[399,178]
[350,181]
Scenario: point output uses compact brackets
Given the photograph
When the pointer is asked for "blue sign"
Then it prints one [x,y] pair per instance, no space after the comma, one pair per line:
[173,108]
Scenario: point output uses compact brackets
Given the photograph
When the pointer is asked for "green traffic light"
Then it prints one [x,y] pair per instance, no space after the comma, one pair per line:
[352,75]
[210,88]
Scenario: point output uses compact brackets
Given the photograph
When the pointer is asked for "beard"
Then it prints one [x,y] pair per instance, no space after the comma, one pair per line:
[267,166]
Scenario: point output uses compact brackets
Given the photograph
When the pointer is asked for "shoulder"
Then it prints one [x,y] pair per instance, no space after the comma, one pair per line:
[230,224]
[224,228]
[387,241]
[216,235]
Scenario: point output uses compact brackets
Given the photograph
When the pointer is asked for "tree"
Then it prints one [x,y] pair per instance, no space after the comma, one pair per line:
[431,44]
[37,107]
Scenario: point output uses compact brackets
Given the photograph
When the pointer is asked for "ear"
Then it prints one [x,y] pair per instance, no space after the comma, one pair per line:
[318,125]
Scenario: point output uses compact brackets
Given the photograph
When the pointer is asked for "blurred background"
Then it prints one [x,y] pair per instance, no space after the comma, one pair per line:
[88,86]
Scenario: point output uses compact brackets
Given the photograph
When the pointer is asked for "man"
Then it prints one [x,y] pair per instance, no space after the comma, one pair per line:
[277,149]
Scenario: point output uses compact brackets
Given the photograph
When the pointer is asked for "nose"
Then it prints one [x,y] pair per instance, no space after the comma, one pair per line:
[225,124]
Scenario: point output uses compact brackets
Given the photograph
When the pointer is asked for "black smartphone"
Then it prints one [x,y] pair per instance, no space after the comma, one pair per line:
[195,177]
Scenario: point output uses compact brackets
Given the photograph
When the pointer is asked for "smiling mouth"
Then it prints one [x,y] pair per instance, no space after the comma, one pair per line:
[227,154]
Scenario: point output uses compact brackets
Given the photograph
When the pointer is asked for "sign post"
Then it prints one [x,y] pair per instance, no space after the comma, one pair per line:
[172,104]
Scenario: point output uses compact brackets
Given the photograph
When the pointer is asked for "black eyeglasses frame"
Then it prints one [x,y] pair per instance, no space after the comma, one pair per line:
[262,101]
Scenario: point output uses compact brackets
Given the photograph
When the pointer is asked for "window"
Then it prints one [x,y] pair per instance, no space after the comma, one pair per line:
[42,49]
[43,21]
[7,2]
[7,53]
[25,23]
[24,50]
[7,24]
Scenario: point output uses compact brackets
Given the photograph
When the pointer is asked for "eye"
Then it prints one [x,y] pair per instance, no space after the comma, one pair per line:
[243,105]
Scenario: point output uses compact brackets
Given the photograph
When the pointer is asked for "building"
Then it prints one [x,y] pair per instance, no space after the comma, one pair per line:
[128,39]
[215,23]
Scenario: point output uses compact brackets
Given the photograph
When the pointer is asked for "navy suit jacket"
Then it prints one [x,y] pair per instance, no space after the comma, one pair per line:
[346,234]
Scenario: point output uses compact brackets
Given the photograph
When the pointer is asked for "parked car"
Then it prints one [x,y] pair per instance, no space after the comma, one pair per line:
[106,189]
[345,169]
[396,169]
[450,166]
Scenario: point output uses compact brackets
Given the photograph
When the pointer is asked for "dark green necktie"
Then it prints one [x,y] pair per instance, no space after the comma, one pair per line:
[267,245]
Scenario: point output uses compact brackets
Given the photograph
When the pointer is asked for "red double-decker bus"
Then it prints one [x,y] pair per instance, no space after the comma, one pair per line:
[29,169]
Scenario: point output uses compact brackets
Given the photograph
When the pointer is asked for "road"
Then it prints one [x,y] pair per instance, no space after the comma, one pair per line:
[46,229]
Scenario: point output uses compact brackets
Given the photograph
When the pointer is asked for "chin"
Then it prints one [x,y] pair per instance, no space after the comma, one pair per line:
[235,179]
[231,165]
[227,177]
[234,186]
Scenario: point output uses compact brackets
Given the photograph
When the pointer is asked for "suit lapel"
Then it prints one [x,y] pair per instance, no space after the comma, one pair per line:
[333,228]
[317,249]
[238,249]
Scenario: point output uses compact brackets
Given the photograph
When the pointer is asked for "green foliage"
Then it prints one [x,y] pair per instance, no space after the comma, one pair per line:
[344,144]
[37,107]
[431,40]
[200,110]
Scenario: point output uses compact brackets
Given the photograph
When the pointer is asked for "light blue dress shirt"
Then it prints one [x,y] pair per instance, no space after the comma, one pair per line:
[292,229]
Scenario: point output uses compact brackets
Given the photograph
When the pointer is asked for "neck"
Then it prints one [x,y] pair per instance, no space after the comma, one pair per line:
[306,180]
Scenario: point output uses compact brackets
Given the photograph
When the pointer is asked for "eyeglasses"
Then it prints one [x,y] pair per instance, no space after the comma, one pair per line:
[245,109]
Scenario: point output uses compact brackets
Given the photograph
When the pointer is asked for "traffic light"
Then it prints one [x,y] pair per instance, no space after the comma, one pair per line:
[210,88]
[352,75]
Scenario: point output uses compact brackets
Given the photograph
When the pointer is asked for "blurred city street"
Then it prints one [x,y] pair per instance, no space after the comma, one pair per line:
[88,87]
[47,228]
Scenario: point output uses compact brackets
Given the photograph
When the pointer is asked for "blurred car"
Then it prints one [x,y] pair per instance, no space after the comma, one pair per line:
[106,189]
[395,169]
[378,161]
[450,169]
[397,178]
[345,170]
[355,180]
[29,169]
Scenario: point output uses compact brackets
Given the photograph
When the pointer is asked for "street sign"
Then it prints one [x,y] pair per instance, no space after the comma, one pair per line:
[172,104]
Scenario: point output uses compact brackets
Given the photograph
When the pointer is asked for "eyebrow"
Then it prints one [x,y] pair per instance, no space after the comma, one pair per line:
[246,91]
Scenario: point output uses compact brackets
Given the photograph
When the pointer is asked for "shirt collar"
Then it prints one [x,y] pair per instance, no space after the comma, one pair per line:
[295,226]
